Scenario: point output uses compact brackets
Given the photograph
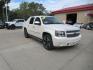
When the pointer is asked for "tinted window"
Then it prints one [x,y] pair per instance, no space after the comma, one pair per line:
[20,21]
[51,20]
[31,20]
[37,19]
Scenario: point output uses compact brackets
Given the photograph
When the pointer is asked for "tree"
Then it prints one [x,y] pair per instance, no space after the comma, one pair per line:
[29,9]
[36,9]
[24,6]
[2,4]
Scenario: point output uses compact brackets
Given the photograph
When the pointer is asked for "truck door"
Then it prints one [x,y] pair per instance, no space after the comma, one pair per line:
[38,27]
[30,27]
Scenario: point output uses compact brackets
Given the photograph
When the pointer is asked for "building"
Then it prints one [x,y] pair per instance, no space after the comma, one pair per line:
[77,14]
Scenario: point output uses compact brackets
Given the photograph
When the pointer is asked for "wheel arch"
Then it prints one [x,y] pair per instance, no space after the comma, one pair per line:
[44,33]
[12,25]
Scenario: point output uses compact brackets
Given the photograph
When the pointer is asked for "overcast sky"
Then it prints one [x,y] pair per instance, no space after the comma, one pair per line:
[51,5]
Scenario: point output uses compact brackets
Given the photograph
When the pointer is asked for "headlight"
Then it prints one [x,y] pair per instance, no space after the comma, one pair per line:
[60,33]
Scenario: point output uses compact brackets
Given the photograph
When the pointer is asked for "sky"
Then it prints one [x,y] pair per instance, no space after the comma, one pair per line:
[51,5]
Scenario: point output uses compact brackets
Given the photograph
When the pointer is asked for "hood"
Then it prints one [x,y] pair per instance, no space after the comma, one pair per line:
[61,27]
[10,22]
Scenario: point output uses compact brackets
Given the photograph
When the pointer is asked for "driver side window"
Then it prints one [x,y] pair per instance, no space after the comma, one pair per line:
[31,20]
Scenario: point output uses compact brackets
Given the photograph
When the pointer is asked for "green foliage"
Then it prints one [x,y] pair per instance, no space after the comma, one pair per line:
[30,9]
[2,3]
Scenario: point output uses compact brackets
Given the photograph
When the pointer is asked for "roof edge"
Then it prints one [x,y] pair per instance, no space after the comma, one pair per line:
[74,9]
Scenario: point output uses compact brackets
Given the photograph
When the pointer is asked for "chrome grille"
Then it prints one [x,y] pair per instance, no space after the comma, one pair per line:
[73,33]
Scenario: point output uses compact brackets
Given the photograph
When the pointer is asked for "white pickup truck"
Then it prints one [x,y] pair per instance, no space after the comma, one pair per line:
[16,23]
[51,31]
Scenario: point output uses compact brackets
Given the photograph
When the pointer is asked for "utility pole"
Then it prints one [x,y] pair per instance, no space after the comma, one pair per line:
[3,13]
[6,6]
[6,9]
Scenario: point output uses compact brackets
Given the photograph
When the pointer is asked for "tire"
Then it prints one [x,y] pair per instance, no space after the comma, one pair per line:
[47,42]
[8,27]
[12,27]
[26,33]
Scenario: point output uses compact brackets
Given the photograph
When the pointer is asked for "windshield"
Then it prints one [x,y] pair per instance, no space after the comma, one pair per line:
[13,20]
[51,20]
[18,20]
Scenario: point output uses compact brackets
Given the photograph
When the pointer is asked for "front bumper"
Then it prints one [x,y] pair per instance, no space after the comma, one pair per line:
[64,41]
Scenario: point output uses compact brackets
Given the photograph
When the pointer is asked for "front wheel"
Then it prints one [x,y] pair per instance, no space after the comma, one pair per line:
[47,42]
[26,33]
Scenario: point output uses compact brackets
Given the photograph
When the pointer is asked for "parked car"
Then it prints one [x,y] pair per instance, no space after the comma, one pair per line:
[78,25]
[88,26]
[69,22]
[1,24]
[51,31]
[16,23]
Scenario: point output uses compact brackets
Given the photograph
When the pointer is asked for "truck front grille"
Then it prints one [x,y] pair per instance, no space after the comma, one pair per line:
[73,33]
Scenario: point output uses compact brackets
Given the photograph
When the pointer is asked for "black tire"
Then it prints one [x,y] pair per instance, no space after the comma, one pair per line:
[26,33]
[47,42]
[12,27]
[8,27]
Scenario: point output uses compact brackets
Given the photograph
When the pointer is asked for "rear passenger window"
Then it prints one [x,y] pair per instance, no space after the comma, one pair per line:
[31,20]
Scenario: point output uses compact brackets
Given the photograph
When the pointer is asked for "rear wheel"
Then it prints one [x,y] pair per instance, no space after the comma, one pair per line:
[47,42]
[26,33]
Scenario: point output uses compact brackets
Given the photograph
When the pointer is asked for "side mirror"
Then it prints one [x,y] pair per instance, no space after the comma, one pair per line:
[37,23]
